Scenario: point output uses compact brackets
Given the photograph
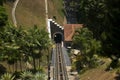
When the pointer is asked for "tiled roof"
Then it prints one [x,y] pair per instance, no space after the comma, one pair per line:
[69,30]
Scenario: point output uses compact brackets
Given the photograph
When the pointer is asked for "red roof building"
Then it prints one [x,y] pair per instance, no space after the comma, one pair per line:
[69,30]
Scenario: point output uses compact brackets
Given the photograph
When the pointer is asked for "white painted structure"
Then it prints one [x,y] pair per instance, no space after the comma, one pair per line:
[49,28]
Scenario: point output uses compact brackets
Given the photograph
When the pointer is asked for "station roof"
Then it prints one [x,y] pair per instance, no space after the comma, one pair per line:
[69,30]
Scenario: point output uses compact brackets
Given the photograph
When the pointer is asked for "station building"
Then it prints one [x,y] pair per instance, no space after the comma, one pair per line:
[62,34]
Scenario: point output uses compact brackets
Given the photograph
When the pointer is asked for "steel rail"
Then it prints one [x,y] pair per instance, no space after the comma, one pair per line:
[60,72]
[63,66]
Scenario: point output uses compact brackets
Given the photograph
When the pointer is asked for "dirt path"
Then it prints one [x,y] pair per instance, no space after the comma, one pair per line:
[13,13]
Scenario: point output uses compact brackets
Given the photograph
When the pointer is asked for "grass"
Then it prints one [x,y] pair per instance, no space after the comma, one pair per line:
[55,8]
[99,73]
[29,13]
[24,64]
[16,66]
[8,7]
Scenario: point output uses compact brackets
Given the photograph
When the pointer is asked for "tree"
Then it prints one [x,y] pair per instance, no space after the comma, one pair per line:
[1,2]
[88,46]
[102,18]
[35,41]
[3,17]
[83,39]
[17,45]
[9,46]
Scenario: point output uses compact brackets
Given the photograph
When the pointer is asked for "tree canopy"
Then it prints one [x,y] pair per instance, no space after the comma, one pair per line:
[102,18]
[3,16]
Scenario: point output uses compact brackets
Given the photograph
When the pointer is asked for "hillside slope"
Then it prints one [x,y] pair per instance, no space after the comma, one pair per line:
[29,12]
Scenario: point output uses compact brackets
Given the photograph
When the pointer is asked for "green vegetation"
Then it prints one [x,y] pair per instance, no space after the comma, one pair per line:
[89,48]
[29,14]
[7,76]
[3,16]
[87,44]
[27,75]
[55,9]
[1,2]
[101,17]
[22,50]
[99,72]
[19,45]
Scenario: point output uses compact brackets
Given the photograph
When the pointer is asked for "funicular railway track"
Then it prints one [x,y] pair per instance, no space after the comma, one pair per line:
[60,72]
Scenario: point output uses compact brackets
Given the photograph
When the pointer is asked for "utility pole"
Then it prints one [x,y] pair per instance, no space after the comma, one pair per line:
[46,14]
[48,57]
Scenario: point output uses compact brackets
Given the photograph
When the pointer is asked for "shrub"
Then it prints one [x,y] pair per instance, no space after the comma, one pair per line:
[26,75]
[40,76]
[2,69]
[7,76]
